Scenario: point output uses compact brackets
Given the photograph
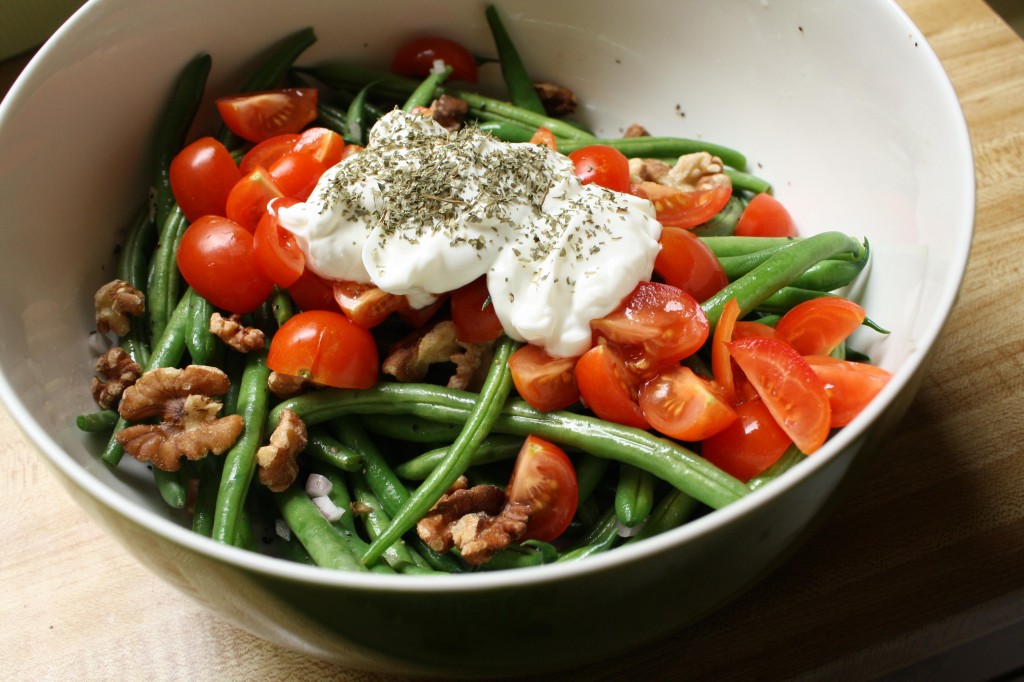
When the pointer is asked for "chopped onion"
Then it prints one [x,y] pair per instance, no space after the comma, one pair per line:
[331,511]
[282,529]
[100,343]
[627,532]
[318,486]
[438,66]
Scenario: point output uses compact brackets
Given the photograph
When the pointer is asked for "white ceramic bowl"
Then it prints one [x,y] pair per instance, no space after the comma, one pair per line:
[843,105]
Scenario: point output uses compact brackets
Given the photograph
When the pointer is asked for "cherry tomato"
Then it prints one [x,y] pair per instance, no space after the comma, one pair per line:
[215,257]
[792,391]
[749,445]
[202,175]
[817,326]
[602,165]
[473,315]
[608,388]
[417,317]
[366,304]
[296,174]
[545,382]
[327,348]
[686,262]
[267,152]
[850,385]
[666,322]
[680,404]
[676,207]
[323,144]
[247,202]
[544,478]
[545,138]
[276,252]
[312,292]
[257,116]
[721,361]
[745,329]
[417,56]
[765,216]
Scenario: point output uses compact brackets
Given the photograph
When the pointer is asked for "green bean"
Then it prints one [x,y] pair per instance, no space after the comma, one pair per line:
[745,182]
[320,538]
[292,550]
[97,422]
[202,344]
[513,557]
[172,486]
[790,458]
[410,429]
[671,511]
[376,520]
[785,298]
[327,449]
[724,222]
[646,147]
[173,128]
[495,448]
[668,460]
[164,280]
[520,87]
[208,472]
[600,538]
[357,124]
[240,460]
[507,131]
[478,423]
[634,495]
[423,95]
[778,271]
[132,267]
[724,246]
[331,117]
[589,470]
[823,276]
[281,306]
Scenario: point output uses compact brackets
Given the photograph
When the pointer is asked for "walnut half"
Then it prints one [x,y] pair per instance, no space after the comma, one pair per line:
[278,468]
[119,372]
[115,301]
[189,425]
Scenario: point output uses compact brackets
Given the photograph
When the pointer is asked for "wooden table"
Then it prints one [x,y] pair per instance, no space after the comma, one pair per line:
[920,570]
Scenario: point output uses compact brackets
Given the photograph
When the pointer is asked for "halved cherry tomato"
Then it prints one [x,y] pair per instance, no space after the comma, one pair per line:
[267,152]
[680,404]
[721,360]
[545,382]
[681,208]
[296,174]
[473,315]
[544,478]
[745,329]
[248,200]
[666,322]
[417,317]
[686,262]
[323,144]
[215,257]
[545,138]
[366,304]
[765,216]
[257,116]
[312,292]
[749,445]
[850,385]
[608,388]
[817,326]
[202,175]
[417,56]
[277,254]
[327,348]
[788,386]
[602,165]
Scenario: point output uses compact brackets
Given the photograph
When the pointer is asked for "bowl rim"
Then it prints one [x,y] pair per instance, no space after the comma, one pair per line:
[73,472]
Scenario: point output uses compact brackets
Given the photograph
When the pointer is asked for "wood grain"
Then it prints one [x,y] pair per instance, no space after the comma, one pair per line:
[924,555]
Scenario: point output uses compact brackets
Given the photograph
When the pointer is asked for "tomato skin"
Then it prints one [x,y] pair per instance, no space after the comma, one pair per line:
[296,174]
[817,326]
[473,315]
[745,329]
[258,116]
[663,320]
[327,348]
[765,216]
[749,445]
[366,304]
[789,387]
[721,360]
[544,478]
[215,257]
[276,252]
[602,165]
[312,292]
[202,175]
[545,382]
[682,405]
[248,200]
[416,58]
[267,152]
[676,207]
[545,138]
[850,385]
[323,144]
[608,388]
[686,262]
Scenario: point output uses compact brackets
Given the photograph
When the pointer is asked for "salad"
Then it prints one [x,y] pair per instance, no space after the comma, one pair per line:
[380,322]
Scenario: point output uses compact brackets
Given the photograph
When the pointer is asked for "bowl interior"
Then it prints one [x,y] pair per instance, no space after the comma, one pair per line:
[844,108]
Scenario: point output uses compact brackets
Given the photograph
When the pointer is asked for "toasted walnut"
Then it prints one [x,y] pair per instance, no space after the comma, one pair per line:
[120,372]
[115,301]
[231,331]
[692,172]
[189,428]
[636,130]
[278,467]
[410,359]
[285,386]
[647,170]
[449,112]
[478,521]
[557,100]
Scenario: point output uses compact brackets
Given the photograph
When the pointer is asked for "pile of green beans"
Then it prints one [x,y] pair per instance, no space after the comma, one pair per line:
[391,451]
